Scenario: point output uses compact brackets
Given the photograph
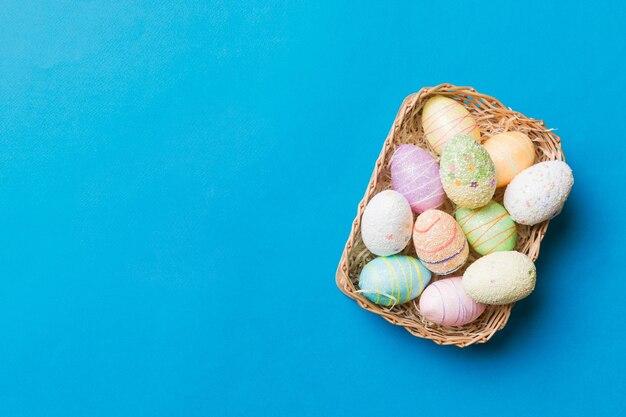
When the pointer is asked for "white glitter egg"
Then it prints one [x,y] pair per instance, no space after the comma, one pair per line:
[539,192]
[387,223]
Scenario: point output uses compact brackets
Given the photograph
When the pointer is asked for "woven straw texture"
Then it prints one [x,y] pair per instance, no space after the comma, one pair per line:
[493,117]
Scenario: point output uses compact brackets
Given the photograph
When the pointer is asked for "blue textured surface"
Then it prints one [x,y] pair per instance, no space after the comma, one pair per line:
[178,180]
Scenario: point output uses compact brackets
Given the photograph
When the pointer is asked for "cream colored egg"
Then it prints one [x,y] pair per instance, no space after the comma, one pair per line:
[500,278]
[443,119]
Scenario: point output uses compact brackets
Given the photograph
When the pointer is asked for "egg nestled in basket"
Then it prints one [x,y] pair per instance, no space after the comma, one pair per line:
[500,278]
[439,242]
[511,153]
[538,193]
[467,173]
[386,224]
[443,119]
[446,303]
[393,280]
[415,174]
[488,228]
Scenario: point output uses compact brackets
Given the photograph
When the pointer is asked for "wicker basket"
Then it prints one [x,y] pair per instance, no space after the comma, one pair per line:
[493,117]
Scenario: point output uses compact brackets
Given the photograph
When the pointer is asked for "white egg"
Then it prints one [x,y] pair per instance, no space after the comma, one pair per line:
[387,223]
[538,193]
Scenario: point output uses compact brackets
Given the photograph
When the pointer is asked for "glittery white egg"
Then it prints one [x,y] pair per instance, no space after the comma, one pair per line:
[387,223]
[500,278]
[538,193]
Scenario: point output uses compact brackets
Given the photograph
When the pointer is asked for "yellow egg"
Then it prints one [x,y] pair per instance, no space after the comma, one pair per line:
[443,119]
[511,153]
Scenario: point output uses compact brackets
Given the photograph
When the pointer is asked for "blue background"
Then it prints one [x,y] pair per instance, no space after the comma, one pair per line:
[178,180]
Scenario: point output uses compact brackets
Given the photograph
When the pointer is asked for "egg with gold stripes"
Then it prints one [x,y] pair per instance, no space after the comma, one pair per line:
[488,229]
[443,119]
[439,242]
[446,303]
[511,153]
[393,280]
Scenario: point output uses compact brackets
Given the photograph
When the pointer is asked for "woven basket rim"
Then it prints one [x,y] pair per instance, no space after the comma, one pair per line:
[491,112]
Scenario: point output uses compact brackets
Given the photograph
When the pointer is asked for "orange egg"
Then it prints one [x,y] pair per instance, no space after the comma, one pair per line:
[511,153]
[439,242]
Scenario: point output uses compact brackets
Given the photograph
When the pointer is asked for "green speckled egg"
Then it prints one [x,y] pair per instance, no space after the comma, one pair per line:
[488,229]
[467,173]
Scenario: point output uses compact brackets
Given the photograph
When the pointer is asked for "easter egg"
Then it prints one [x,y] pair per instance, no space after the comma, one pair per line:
[511,153]
[445,302]
[500,278]
[467,173]
[415,174]
[439,242]
[538,193]
[488,228]
[386,223]
[443,119]
[391,280]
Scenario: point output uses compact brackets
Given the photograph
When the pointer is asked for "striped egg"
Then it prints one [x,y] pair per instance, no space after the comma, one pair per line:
[392,280]
[467,173]
[445,302]
[488,228]
[443,119]
[415,174]
[511,153]
[439,242]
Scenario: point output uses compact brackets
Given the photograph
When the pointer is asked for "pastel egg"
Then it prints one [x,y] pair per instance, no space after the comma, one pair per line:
[386,223]
[538,193]
[393,280]
[488,229]
[511,153]
[467,173]
[443,119]
[500,278]
[439,242]
[415,174]
[445,302]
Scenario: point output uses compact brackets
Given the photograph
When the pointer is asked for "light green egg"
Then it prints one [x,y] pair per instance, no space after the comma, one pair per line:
[392,280]
[467,172]
[488,229]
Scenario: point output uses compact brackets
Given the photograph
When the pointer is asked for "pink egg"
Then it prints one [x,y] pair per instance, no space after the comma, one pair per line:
[415,174]
[445,302]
